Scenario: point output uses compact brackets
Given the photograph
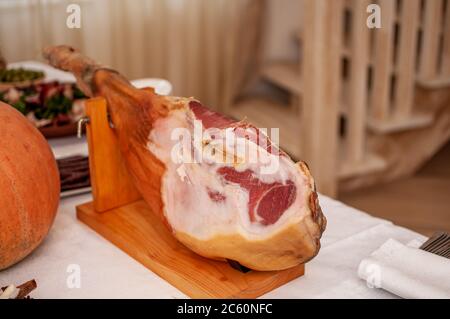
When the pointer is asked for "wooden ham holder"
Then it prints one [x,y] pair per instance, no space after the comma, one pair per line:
[120,215]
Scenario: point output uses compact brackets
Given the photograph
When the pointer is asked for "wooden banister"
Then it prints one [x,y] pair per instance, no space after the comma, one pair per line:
[319,122]
[404,91]
[357,102]
[383,62]
[446,43]
[428,68]
[373,103]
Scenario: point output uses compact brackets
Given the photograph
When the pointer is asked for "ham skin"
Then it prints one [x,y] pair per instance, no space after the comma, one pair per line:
[223,206]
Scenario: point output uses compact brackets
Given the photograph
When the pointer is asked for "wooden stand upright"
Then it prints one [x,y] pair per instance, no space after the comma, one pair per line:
[120,215]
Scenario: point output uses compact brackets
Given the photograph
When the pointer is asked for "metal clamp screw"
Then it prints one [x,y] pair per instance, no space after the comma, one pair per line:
[81,122]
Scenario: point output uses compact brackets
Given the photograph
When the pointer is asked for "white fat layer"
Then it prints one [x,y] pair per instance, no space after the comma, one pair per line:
[188,206]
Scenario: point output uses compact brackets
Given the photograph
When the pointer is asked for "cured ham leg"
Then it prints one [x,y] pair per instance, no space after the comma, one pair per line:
[221,186]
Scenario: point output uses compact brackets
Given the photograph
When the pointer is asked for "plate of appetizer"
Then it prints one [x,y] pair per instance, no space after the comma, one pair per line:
[53,107]
[49,97]
[19,78]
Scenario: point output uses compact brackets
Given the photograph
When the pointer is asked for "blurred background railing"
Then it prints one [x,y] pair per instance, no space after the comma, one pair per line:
[353,110]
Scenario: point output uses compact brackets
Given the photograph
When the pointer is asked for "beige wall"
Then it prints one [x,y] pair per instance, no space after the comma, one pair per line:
[198,45]
[283,19]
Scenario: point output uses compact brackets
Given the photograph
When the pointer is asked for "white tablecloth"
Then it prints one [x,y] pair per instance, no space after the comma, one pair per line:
[107,272]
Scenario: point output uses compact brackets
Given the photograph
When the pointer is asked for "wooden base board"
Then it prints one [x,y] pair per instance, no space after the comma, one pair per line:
[138,232]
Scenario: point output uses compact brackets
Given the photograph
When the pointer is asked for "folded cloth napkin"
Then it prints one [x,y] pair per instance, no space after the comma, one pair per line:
[406,271]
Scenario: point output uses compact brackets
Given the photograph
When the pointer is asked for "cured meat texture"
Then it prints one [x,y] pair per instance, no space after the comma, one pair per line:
[222,187]
[221,202]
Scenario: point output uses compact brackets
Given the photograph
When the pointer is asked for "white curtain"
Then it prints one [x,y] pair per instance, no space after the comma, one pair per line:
[207,48]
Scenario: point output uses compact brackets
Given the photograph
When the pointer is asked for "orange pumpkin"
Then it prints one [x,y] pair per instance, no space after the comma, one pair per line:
[29,187]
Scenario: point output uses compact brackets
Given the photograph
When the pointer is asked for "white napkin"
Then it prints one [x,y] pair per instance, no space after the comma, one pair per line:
[406,271]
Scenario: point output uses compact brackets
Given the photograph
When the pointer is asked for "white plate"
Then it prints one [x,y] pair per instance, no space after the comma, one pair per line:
[161,86]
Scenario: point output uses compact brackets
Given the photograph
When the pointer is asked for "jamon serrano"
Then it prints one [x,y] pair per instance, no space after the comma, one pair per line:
[222,187]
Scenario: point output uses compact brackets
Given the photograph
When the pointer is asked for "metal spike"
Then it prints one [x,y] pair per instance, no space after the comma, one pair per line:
[81,122]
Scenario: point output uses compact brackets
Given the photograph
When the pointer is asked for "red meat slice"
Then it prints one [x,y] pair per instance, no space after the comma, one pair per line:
[211,119]
[267,200]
